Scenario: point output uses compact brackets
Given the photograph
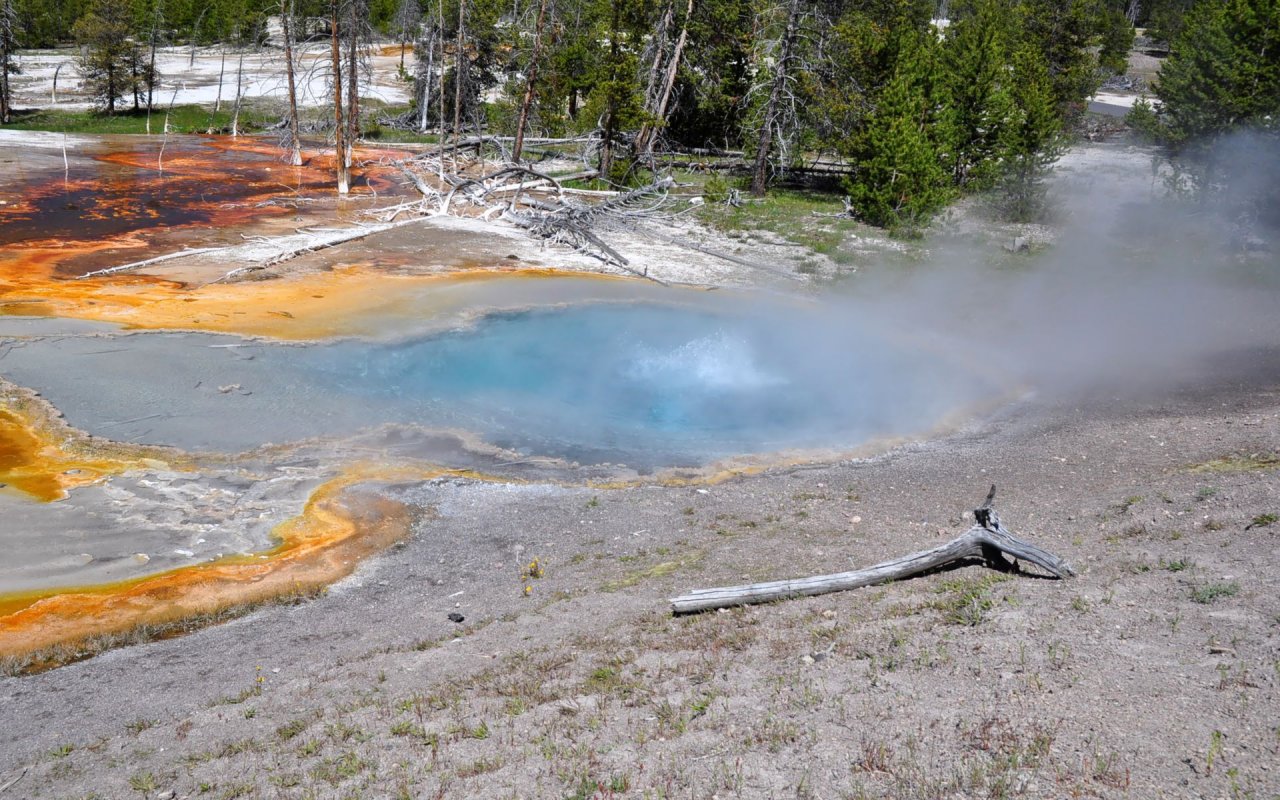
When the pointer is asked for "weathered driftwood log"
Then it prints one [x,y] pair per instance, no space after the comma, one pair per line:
[986,539]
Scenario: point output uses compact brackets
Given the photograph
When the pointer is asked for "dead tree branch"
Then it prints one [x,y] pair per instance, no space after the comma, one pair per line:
[987,539]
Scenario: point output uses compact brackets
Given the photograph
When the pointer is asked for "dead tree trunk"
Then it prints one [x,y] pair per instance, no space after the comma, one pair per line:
[987,539]
[426,68]
[156,20]
[195,37]
[339,138]
[760,172]
[8,40]
[295,142]
[658,108]
[222,71]
[355,13]
[235,113]
[530,83]
[460,68]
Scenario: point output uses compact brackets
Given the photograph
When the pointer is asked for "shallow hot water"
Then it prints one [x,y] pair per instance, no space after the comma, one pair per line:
[641,383]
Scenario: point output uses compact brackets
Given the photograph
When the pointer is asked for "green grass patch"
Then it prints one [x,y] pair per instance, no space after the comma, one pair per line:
[967,601]
[1212,591]
[791,214]
[659,570]
[182,119]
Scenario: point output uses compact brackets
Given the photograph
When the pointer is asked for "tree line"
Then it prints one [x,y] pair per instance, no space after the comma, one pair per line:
[906,103]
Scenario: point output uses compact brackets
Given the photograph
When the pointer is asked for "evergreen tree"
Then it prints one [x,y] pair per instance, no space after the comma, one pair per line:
[976,102]
[1063,31]
[1223,72]
[111,64]
[898,180]
[1033,142]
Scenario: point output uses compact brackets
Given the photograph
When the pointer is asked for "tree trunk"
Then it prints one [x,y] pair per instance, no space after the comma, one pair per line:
[658,112]
[424,102]
[339,144]
[195,37]
[659,53]
[235,113]
[295,142]
[353,75]
[986,540]
[151,64]
[7,30]
[440,94]
[530,83]
[222,70]
[610,122]
[760,172]
[459,60]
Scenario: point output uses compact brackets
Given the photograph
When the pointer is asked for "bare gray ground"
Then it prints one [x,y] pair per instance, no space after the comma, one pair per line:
[1153,674]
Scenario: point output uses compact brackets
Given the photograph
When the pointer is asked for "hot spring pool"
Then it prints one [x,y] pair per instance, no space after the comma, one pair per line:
[639,383]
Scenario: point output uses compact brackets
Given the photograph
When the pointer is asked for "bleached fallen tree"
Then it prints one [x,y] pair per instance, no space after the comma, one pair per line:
[988,540]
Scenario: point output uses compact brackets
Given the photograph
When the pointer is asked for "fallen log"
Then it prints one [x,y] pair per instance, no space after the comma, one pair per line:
[146,262]
[987,539]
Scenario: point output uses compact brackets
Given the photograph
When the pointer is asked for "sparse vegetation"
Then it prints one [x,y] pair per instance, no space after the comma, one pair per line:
[1211,592]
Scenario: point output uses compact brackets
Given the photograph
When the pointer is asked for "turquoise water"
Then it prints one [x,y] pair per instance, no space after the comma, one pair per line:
[646,384]
[653,384]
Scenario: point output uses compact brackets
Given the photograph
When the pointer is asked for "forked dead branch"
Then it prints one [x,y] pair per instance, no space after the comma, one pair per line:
[986,540]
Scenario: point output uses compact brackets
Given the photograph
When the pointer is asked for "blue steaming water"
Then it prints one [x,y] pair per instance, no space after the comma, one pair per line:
[650,384]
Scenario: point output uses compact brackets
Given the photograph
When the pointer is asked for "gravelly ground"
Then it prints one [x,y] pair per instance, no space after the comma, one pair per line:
[1154,673]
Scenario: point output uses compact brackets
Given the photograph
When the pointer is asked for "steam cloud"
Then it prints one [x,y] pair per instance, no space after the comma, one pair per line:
[1144,290]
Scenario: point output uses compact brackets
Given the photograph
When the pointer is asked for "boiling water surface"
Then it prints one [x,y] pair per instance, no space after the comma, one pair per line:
[640,383]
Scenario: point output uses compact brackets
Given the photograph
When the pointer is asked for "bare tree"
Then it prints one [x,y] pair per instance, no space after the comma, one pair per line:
[286,23]
[407,21]
[151,77]
[195,37]
[425,67]
[235,112]
[341,154]
[461,67]
[8,43]
[357,32]
[774,107]
[531,79]
[658,95]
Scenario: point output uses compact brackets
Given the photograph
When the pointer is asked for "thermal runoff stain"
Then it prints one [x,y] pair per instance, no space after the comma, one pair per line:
[338,527]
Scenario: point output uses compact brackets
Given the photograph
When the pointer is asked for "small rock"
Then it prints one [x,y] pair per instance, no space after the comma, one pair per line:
[806,659]
[141,558]
[1221,650]
[232,387]
[828,614]
[821,655]
[456,617]
[1018,245]
[854,520]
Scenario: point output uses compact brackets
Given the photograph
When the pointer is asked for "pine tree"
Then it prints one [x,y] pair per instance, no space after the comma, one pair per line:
[1033,142]
[899,181]
[1223,72]
[976,103]
[111,64]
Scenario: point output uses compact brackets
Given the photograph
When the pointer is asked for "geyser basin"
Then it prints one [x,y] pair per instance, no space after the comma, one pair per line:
[639,383]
